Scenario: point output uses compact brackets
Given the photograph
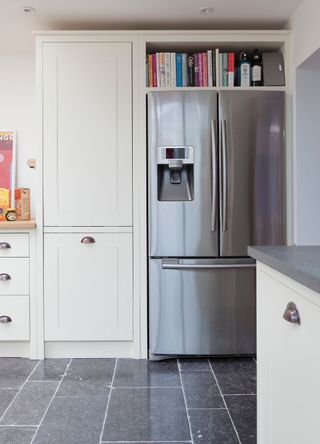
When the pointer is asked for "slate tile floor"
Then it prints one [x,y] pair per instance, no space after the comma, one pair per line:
[94,401]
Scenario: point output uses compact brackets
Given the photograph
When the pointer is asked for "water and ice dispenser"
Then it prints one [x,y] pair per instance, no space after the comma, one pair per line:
[175,173]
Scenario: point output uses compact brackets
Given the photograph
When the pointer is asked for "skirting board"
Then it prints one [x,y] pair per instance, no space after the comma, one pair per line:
[10,349]
[89,350]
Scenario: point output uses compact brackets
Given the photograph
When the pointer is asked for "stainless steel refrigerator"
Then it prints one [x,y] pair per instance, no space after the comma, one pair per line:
[215,186]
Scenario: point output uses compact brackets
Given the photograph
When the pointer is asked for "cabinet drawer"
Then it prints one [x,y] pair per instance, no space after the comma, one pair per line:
[88,286]
[17,311]
[14,245]
[14,276]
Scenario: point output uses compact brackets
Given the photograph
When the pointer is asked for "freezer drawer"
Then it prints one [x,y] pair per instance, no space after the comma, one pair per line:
[202,307]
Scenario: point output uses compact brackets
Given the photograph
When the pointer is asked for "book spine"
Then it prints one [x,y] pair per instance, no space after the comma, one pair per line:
[225,74]
[209,60]
[162,69]
[200,61]
[191,80]
[217,59]
[150,71]
[184,70]
[158,69]
[179,69]
[214,80]
[167,69]
[173,69]
[196,69]
[154,70]
[231,69]
[205,68]
[220,70]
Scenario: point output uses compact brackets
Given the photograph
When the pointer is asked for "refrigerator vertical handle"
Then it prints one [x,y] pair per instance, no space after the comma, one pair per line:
[213,176]
[224,188]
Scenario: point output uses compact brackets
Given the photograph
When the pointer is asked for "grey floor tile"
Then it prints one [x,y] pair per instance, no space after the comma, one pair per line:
[73,420]
[194,364]
[146,442]
[15,371]
[50,370]
[87,377]
[16,435]
[201,390]
[144,373]
[235,375]
[212,426]
[146,414]
[6,396]
[243,410]
[30,405]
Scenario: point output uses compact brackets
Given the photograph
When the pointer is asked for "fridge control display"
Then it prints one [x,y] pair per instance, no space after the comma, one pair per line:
[166,154]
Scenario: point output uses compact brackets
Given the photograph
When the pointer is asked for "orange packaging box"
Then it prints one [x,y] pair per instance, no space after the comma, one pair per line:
[22,198]
[4,202]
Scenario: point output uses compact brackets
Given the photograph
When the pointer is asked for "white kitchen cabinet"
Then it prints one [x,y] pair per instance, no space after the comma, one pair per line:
[288,361]
[87,133]
[88,286]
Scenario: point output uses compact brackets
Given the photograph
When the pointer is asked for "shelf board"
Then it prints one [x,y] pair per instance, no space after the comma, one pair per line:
[18,224]
[218,88]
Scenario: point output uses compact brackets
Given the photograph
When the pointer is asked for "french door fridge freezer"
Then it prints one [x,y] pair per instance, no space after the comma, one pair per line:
[215,185]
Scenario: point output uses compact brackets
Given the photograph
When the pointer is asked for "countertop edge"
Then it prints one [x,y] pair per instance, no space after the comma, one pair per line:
[289,270]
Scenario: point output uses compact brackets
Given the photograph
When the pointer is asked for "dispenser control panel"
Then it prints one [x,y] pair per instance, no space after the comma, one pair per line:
[167,154]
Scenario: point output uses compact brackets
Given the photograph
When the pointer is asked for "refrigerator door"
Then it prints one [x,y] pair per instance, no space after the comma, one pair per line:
[202,307]
[183,200]
[252,170]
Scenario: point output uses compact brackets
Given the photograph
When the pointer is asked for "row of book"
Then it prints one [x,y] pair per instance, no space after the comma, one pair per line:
[209,68]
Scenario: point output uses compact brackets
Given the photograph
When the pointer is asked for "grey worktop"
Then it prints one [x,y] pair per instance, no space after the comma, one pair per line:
[299,263]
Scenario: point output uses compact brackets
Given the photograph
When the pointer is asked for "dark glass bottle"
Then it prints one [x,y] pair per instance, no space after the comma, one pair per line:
[256,74]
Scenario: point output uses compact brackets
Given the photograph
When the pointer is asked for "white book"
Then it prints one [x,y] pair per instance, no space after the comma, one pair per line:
[184,70]
[217,67]
[158,68]
[209,58]
[220,70]
[173,70]
[167,69]
[231,78]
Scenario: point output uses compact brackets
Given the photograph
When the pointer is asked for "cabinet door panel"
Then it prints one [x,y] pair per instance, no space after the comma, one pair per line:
[87,136]
[288,366]
[88,287]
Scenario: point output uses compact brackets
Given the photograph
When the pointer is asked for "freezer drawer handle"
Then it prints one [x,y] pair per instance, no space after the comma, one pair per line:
[291,314]
[88,240]
[213,177]
[172,266]
[5,277]
[4,246]
[5,319]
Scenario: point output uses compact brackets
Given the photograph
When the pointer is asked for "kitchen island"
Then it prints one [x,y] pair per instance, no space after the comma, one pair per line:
[288,344]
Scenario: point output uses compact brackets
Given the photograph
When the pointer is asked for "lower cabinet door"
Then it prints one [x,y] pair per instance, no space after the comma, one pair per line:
[14,318]
[288,366]
[88,286]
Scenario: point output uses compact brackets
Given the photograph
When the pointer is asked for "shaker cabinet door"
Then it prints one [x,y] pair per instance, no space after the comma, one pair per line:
[88,286]
[87,134]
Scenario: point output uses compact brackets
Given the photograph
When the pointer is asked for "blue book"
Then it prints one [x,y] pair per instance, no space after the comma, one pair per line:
[179,69]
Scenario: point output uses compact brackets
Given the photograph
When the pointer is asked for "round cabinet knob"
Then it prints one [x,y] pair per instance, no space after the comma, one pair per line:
[5,319]
[4,246]
[88,240]
[5,277]
[291,314]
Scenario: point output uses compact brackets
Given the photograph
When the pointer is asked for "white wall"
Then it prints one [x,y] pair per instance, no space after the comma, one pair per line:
[17,111]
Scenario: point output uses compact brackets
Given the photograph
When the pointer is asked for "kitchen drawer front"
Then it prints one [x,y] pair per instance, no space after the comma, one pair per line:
[17,310]
[88,286]
[14,245]
[14,276]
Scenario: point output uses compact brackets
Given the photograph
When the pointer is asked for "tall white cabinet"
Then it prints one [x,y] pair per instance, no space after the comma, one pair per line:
[87,141]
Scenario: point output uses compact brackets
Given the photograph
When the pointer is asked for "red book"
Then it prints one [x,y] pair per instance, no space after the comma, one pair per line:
[231,69]
[154,70]
[205,68]
[200,62]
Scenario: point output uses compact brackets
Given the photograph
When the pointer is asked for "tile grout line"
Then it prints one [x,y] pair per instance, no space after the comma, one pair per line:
[185,401]
[233,425]
[53,396]
[108,402]
[161,442]
[15,397]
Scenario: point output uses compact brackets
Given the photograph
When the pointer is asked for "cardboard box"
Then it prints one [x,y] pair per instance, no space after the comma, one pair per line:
[22,197]
[4,202]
